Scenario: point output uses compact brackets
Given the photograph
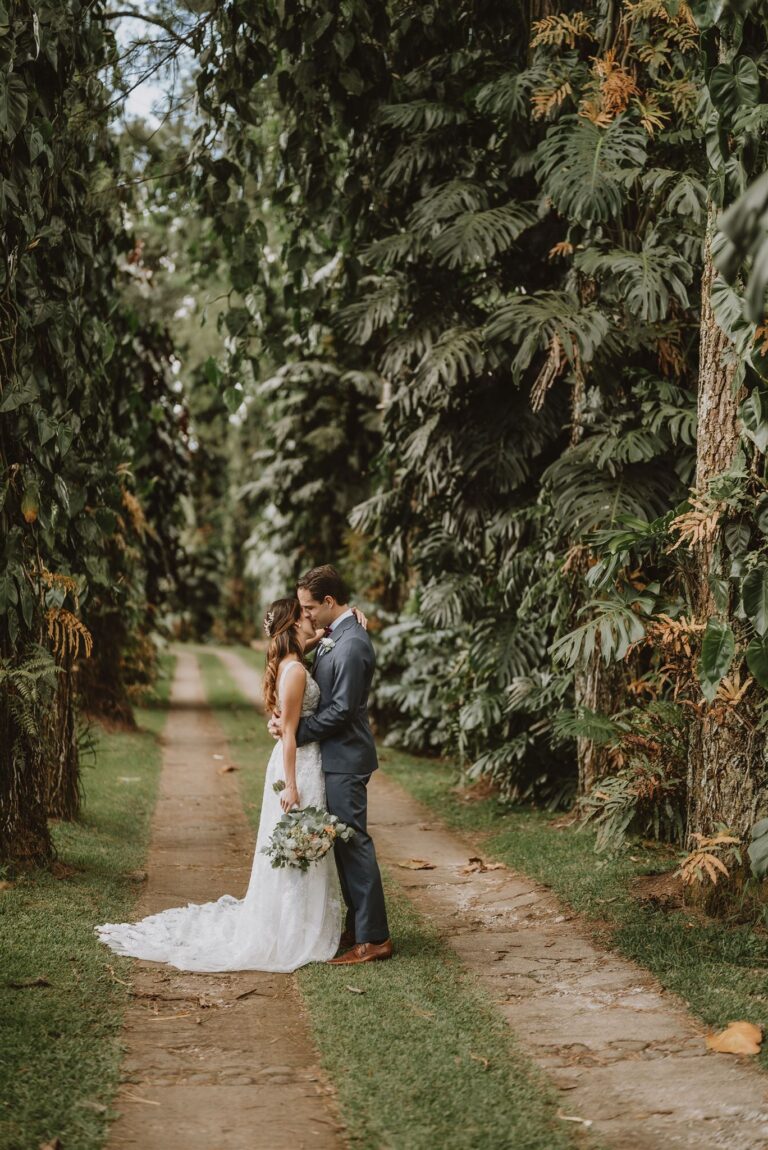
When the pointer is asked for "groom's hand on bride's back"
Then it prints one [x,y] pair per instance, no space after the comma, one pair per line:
[275,727]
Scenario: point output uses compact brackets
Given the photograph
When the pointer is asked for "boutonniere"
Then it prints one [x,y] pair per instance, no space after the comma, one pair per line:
[326,644]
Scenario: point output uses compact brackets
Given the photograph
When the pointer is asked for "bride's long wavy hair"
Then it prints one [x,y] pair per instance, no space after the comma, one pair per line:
[280,628]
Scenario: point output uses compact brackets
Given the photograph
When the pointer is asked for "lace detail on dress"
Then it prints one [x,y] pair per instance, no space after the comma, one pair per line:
[286,918]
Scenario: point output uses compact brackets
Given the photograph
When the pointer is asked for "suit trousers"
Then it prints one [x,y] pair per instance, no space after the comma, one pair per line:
[359,875]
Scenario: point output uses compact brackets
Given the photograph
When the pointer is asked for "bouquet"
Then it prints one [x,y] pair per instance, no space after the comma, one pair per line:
[304,836]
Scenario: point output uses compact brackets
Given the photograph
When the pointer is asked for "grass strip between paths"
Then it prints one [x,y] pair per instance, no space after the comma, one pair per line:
[720,969]
[60,1047]
[415,1048]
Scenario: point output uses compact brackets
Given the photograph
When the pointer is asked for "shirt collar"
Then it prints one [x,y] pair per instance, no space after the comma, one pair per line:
[347,614]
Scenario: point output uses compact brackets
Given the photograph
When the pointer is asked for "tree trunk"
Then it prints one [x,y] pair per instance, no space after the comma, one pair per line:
[727,776]
[24,834]
[63,755]
[598,688]
[100,678]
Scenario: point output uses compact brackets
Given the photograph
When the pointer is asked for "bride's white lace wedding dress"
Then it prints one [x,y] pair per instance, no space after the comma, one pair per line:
[286,919]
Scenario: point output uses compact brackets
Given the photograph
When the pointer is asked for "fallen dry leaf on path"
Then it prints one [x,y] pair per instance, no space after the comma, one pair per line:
[354,990]
[479,1058]
[416,864]
[227,769]
[217,757]
[574,1118]
[478,865]
[4,885]
[737,1038]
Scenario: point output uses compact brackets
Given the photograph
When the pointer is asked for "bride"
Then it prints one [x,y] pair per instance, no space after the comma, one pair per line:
[287,917]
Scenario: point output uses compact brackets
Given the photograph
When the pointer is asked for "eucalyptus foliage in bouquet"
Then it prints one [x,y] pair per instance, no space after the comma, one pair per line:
[304,836]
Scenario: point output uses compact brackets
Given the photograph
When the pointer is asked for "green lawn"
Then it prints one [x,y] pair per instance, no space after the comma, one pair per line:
[421,1058]
[721,970]
[60,1051]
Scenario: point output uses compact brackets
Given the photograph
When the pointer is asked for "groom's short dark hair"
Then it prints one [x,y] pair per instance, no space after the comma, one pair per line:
[322,581]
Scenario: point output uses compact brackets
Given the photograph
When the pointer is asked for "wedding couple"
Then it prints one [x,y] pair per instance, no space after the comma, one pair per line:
[325,755]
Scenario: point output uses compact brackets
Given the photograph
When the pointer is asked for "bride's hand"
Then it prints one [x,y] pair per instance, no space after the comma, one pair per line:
[361,617]
[275,727]
[289,797]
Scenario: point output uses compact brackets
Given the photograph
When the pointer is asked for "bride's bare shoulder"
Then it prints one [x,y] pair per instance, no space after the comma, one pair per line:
[284,672]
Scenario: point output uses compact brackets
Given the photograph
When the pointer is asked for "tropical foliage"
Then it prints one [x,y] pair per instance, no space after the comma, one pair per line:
[456,267]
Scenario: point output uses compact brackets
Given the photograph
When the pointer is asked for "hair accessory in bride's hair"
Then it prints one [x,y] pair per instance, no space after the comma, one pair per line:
[269,619]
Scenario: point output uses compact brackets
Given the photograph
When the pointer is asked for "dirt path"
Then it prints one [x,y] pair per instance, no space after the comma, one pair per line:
[213,1061]
[628,1058]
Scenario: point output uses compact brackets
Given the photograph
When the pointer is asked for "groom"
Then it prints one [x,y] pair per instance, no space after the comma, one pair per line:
[343,670]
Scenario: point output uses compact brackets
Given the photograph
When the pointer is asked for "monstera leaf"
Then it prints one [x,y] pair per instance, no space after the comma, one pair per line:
[734,86]
[757,660]
[647,280]
[586,169]
[758,849]
[476,237]
[754,424]
[742,235]
[717,651]
[755,595]
[14,103]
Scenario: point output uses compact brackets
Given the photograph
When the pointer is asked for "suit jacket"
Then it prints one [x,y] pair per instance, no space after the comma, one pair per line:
[340,723]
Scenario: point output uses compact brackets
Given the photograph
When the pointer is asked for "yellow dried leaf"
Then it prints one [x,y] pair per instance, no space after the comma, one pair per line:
[476,865]
[416,864]
[564,248]
[737,1038]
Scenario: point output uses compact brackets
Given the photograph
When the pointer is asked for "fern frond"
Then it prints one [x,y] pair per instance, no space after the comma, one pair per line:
[66,631]
[545,99]
[562,29]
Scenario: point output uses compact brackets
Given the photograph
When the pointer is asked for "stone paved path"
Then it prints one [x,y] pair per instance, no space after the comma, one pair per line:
[213,1061]
[628,1058]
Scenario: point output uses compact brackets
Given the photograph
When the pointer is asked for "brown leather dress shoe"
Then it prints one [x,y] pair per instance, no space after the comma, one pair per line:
[364,952]
[347,940]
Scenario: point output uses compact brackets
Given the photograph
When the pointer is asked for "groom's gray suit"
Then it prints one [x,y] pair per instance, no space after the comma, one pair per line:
[343,673]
